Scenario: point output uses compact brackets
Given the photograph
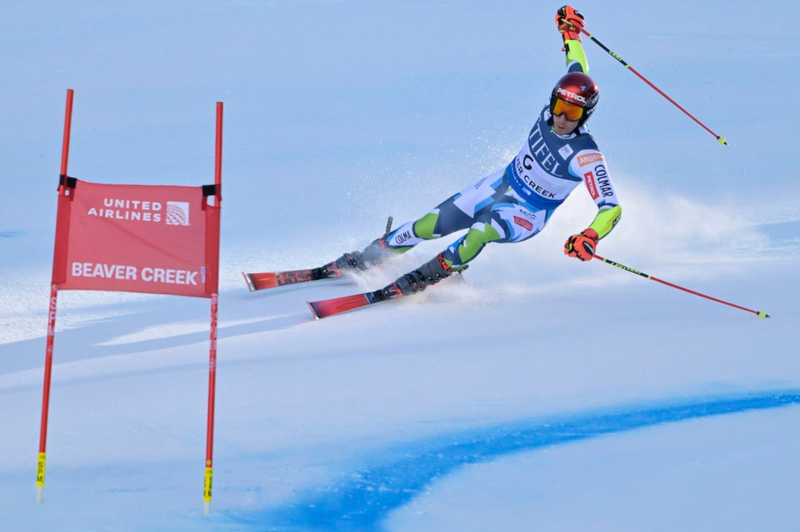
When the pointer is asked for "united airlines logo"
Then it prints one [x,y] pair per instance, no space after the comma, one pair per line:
[131,210]
[174,213]
[177,213]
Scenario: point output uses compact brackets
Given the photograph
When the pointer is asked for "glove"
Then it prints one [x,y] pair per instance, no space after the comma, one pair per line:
[571,29]
[582,245]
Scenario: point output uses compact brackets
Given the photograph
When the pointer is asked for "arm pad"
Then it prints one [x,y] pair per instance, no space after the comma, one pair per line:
[605,220]
[576,57]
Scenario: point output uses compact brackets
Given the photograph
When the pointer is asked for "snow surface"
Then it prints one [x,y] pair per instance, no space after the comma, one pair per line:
[538,393]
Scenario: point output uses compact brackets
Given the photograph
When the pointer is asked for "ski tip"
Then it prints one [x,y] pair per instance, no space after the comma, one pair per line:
[313,310]
[762,314]
[249,282]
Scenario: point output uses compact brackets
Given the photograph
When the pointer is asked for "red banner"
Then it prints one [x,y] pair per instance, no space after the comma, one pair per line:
[134,238]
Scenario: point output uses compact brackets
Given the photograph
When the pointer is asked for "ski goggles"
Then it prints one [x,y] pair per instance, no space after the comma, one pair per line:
[570,110]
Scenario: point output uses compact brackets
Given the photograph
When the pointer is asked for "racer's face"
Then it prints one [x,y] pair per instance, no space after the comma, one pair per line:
[562,126]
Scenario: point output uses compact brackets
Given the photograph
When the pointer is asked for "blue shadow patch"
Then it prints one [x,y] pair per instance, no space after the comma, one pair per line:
[10,234]
[364,501]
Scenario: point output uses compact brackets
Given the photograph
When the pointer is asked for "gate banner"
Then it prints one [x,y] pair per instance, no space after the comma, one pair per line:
[137,238]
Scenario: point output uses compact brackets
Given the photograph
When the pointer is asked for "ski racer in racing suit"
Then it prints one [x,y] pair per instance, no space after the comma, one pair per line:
[514,203]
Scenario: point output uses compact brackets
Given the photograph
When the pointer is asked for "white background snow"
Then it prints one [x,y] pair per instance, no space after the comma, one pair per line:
[538,393]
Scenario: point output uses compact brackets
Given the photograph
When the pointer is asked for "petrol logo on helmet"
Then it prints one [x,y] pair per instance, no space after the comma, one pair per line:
[571,95]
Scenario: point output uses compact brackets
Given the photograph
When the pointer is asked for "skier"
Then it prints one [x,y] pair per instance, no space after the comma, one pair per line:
[514,203]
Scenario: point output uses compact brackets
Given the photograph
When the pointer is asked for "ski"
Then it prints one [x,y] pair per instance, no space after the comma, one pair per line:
[338,305]
[262,281]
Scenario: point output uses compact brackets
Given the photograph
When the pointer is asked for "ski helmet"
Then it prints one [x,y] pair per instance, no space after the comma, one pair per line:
[578,89]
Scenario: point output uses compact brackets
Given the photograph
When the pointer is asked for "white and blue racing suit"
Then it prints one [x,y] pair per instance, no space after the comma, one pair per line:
[515,203]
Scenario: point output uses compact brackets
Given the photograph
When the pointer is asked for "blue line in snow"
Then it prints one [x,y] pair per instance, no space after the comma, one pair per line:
[362,503]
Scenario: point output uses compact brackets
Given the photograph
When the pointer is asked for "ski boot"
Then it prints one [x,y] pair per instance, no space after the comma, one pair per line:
[357,261]
[418,280]
[349,262]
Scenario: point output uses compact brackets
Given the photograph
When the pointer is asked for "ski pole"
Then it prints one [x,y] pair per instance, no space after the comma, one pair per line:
[759,313]
[721,140]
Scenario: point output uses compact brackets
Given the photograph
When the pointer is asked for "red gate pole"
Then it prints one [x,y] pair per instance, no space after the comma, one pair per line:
[212,378]
[212,362]
[51,319]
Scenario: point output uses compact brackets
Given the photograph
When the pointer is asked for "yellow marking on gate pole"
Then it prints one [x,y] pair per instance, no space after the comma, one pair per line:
[207,490]
[40,466]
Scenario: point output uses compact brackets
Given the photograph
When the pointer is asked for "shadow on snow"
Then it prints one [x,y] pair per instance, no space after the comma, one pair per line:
[365,500]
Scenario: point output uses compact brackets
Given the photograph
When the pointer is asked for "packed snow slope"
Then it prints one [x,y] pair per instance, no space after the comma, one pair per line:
[534,393]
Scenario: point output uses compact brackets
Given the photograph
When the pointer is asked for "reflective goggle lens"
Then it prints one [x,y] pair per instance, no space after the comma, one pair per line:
[572,111]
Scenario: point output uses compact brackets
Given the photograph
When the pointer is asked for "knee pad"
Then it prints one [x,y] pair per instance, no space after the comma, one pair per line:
[425,227]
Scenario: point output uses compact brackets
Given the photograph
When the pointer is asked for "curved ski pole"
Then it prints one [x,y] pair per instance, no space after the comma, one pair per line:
[720,139]
[759,313]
